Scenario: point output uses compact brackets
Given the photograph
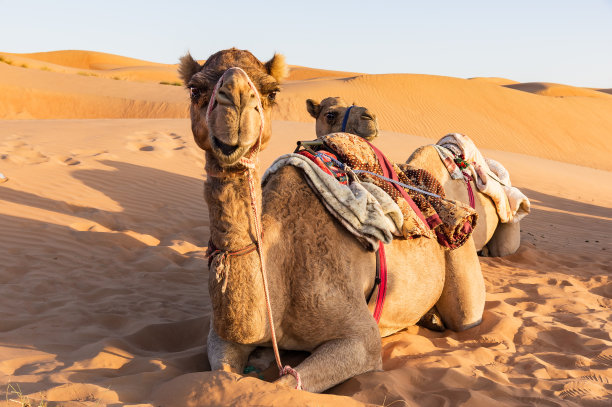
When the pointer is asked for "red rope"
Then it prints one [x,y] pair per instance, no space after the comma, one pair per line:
[382,288]
[468,178]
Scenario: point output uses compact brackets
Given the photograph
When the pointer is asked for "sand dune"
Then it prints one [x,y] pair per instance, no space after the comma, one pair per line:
[555,89]
[301,73]
[89,63]
[494,81]
[88,59]
[36,94]
[103,228]
[572,128]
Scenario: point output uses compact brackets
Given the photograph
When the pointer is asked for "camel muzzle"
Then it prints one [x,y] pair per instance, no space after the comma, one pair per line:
[224,96]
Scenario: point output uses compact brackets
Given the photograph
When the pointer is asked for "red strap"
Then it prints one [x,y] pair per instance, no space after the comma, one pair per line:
[468,178]
[389,172]
[317,161]
[382,289]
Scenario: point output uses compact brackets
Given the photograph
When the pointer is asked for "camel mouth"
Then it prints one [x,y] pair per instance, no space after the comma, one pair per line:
[225,148]
[227,154]
[369,135]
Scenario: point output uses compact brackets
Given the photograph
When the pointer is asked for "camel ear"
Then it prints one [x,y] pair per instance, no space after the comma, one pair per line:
[313,107]
[277,67]
[188,67]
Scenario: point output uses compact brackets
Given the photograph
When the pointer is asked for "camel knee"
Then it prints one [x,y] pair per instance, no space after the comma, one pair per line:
[461,321]
[462,301]
[226,356]
[349,357]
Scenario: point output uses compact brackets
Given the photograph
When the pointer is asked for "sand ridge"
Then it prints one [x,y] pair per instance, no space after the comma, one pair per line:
[570,124]
[103,230]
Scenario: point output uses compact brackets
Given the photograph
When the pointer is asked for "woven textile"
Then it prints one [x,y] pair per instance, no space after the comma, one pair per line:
[451,222]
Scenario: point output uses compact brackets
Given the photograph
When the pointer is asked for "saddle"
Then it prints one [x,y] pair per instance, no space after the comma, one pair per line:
[421,198]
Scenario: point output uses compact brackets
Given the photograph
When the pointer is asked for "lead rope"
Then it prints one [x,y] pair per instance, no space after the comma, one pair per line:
[250,164]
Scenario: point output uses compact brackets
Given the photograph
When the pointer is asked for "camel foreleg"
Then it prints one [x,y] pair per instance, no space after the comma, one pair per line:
[463,297]
[337,360]
[225,355]
[505,241]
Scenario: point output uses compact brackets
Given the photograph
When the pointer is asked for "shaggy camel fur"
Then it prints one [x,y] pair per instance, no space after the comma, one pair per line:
[330,115]
[318,274]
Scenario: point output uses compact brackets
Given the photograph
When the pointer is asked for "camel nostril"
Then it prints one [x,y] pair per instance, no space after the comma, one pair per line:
[224,97]
[367,116]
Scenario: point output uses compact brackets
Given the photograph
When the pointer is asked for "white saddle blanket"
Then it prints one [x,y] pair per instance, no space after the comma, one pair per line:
[490,177]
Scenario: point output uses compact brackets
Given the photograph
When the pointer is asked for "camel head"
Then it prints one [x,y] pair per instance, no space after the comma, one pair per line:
[330,115]
[230,107]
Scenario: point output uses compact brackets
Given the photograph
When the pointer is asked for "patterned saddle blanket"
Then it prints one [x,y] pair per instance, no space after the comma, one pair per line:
[418,194]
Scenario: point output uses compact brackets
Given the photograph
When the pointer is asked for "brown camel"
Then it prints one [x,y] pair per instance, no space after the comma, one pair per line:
[330,115]
[491,237]
[318,273]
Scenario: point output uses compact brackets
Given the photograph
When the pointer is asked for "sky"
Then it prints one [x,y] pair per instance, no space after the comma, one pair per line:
[562,41]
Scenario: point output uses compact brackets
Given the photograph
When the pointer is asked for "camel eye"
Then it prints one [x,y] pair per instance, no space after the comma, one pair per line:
[272,96]
[195,93]
[331,116]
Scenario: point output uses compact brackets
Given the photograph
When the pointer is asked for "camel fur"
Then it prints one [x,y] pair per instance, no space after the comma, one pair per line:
[318,273]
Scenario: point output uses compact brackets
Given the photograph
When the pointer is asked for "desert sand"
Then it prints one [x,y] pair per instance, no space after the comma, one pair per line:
[103,229]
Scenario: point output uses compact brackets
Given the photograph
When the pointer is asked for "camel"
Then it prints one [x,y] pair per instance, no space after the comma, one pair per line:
[317,273]
[491,237]
[331,116]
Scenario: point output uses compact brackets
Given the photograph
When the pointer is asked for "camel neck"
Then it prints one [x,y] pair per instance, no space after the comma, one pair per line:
[229,202]
[238,302]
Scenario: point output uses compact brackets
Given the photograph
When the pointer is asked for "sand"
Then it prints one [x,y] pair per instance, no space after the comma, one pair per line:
[103,228]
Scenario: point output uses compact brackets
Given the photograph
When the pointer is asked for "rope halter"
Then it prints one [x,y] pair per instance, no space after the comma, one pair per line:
[346,117]
[250,163]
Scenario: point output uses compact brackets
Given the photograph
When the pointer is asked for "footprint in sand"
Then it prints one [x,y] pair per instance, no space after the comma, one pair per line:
[76,156]
[67,160]
[164,144]
[605,357]
[17,151]
[586,388]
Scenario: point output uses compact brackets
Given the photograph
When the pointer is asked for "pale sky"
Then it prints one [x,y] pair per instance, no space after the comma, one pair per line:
[564,41]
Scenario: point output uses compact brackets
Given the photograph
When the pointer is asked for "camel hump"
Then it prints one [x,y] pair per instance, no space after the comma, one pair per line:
[427,157]
[423,156]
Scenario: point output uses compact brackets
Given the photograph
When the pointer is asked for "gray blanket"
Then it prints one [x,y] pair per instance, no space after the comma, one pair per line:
[362,207]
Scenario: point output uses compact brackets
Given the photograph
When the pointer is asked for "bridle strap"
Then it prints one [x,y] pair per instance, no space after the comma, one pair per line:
[345,118]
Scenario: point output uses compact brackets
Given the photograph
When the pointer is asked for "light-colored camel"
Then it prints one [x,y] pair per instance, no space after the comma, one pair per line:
[491,237]
[330,115]
[318,273]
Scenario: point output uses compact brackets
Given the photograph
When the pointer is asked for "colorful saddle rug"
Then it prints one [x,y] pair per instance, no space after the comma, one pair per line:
[427,214]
